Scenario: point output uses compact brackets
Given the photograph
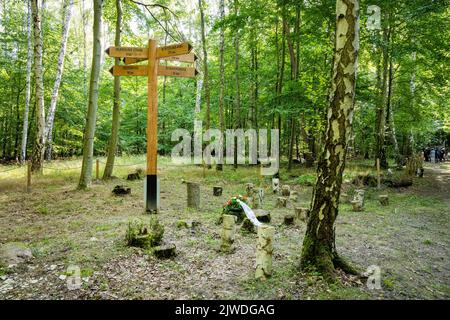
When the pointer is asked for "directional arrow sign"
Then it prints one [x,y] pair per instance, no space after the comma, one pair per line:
[190,57]
[173,50]
[132,52]
[129,71]
[177,71]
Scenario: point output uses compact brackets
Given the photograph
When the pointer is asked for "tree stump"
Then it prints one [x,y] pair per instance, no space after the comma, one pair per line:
[384,199]
[359,196]
[264,250]
[133,176]
[249,189]
[293,196]
[121,190]
[357,205]
[262,215]
[302,214]
[289,219]
[228,233]
[193,195]
[256,201]
[285,191]
[165,251]
[275,185]
[217,191]
[281,202]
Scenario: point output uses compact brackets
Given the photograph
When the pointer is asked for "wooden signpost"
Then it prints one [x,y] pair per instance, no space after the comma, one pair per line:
[176,52]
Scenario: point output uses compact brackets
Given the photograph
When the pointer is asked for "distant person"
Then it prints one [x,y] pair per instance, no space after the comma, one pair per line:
[426,154]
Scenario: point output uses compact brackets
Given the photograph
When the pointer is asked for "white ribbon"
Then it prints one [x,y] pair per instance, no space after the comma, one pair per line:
[249,213]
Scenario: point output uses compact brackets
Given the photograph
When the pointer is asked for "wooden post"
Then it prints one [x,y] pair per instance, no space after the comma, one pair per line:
[378,174]
[97,169]
[28,175]
[152,188]
[264,251]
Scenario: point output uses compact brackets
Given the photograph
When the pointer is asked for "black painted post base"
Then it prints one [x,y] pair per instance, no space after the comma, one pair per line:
[151,194]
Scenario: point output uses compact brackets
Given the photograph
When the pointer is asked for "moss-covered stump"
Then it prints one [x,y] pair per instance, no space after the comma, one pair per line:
[262,215]
[133,176]
[293,197]
[165,251]
[181,224]
[144,235]
[301,213]
[384,199]
[264,250]
[357,206]
[281,202]
[275,185]
[285,191]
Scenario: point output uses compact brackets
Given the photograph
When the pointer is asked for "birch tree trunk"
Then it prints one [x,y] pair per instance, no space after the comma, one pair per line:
[23,149]
[89,132]
[112,147]
[48,133]
[219,166]
[38,148]
[319,249]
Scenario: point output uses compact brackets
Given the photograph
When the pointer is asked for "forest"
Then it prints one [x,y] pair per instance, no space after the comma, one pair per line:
[357,92]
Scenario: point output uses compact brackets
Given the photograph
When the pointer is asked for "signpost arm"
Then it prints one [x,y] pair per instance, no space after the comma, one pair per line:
[152,185]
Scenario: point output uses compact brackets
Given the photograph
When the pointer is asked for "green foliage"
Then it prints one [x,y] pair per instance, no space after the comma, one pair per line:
[306,180]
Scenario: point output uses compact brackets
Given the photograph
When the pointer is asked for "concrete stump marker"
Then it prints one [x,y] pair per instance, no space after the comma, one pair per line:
[357,206]
[281,202]
[249,187]
[293,196]
[384,199]
[217,191]
[301,213]
[264,250]
[359,196]
[275,185]
[193,195]
[285,191]
[228,233]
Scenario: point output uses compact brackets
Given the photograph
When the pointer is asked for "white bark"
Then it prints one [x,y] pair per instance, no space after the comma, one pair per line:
[68,5]
[23,152]
[38,149]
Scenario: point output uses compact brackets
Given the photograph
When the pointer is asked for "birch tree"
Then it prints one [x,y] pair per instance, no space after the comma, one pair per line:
[89,132]
[38,149]
[68,5]
[112,146]
[23,149]
[319,250]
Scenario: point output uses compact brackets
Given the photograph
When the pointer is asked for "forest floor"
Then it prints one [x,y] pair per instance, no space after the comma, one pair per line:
[409,239]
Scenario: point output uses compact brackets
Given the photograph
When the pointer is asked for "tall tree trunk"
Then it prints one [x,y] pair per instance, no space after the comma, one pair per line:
[23,149]
[84,21]
[319,250]
[89,132]
[205,67]
[412,90]
[219,166]
[38,149]
[48,133]
[112,146]
[380,146]
[390,116]
[238,121]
